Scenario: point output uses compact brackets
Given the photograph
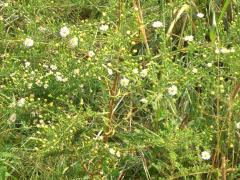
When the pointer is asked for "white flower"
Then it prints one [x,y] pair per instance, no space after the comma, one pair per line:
[91,54]
[76,71]
[73,42]
[188,38]
[21,102]
[110,72]
[157,24]
[12,118]
[144,101]
[118,154]
[28,42]
[104,27]
[200,15]
[112,151]
[194,70]
[124,82]
[224,50]
[144,73]
[45,86]
[64,31]
[27,64]
[135,71]
[209,64]
[53,67]
[238,125]
[172,90]
[205,155]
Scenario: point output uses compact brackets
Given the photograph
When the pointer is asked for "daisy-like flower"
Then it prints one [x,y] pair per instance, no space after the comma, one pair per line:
[172,91]
[27,64]
[209,65]
[135,71]
[110,72]
[28,42]
[64,31]
[112,151]
[205,155]
[91,54]
[76,71]
[144,73]
[157,24]
[144,101]
[200,15]
[194,70]
[238,125]
[12,118]
[124,82]
[188,38]
[53,67]
[21,102]
[104,27]
[73,42]
[118,154]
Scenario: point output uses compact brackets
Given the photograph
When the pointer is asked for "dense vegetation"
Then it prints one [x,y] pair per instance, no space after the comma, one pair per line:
[119,89]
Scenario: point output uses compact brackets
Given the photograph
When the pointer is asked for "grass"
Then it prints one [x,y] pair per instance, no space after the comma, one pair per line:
[117,89]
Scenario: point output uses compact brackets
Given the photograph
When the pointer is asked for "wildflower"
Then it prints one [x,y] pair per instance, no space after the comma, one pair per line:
[144,73]
[200,15]
[124,82]
[27,64]
[53,67]
[21,102]
[188,38]
[110,72]
[91,54]
[12,118]
[112,151]
[118,154]
[238,125]
[104,27]
[76,71]
[205,155]
[28,42]
[135,71]
[64,31]
[172,90]
[45,86]
[73,42]
[194,70]
[144,101]
[209,65]
[224,50]
[157,24]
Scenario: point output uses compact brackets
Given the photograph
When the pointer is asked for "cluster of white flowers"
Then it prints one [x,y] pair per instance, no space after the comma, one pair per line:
[205,155]
[104,27]
[209,65]
[113,152]
[194,70]
[28,42]
[64,32]
[144,73]
[238,125]
[188,38]
[200,15]
[124,82]
[59,77]
[73,42]
[21,102]
[157,24]
[224,50]
[91,54]
[172,91]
